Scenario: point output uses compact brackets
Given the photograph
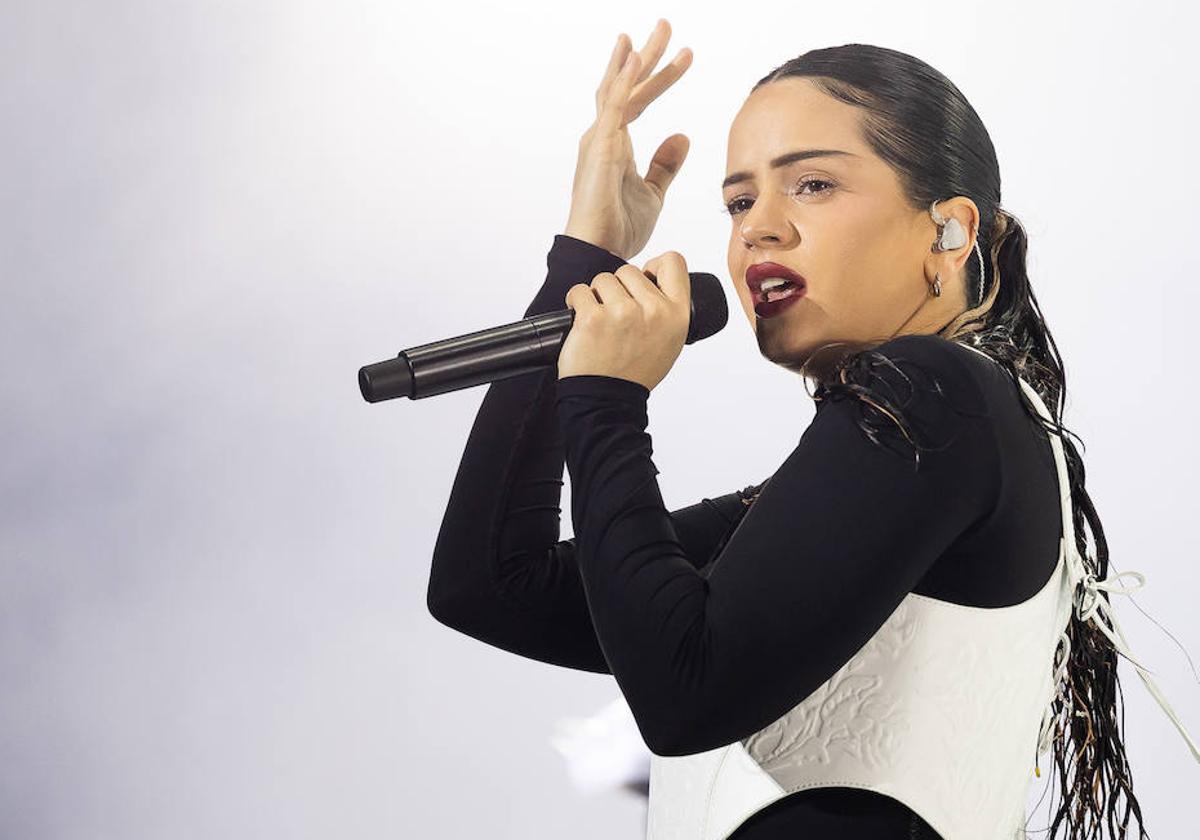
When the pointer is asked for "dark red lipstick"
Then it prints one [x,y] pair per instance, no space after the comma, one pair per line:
[778,296]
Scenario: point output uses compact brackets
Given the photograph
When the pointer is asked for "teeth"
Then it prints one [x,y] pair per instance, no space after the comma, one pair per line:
[773,283]
[779,294]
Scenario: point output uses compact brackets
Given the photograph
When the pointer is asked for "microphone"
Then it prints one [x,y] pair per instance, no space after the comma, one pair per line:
[510,350]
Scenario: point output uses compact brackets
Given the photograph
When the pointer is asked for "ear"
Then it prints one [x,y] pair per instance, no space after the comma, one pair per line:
[961,229]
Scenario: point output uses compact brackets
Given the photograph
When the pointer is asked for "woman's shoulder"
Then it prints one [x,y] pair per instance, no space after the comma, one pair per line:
[914,392]
[923,367]
[932,350]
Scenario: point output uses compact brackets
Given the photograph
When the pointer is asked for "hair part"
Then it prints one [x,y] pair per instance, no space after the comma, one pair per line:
[920,123]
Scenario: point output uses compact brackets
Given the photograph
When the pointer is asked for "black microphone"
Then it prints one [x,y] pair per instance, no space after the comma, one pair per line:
[510,350]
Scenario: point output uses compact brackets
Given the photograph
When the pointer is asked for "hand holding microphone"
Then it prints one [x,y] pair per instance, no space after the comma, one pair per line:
[625,325]
[531,344]
[629,327]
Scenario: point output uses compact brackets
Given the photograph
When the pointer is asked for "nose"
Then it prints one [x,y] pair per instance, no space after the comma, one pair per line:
[764,225]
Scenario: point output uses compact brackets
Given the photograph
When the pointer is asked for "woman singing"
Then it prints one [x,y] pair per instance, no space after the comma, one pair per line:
[883,638]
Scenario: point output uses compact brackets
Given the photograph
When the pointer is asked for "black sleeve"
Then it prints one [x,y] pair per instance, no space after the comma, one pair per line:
[500,574]
[840,533]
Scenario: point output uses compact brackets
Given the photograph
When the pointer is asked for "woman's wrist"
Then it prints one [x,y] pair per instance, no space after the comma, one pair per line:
[601,386]
[590,238]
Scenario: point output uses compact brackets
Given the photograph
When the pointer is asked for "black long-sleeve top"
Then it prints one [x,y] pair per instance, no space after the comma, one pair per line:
[717,618]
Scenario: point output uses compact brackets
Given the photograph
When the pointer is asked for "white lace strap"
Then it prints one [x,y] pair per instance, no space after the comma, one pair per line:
[1090,606]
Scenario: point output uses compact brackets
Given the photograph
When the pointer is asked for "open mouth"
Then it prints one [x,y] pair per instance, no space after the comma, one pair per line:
[777,289]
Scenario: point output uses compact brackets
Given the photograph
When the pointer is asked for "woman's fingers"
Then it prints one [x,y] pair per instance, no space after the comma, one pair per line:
[612,292]
[612,113]
[654,87]
[641,286]
[654,48]
[615,61]
[647,90]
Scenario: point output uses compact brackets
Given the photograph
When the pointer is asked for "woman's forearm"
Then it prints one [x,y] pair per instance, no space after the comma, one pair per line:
[500,573]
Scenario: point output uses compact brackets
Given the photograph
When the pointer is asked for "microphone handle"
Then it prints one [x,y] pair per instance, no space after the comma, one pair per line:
[509,350]
[464,361]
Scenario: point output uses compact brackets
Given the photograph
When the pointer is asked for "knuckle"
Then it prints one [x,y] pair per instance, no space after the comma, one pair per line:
[620,312]
[657,311]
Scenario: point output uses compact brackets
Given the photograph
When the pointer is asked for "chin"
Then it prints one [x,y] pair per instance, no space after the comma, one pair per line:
[812,356]
[782,347]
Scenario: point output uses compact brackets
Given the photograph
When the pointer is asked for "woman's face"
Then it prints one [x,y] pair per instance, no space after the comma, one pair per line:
[838,220]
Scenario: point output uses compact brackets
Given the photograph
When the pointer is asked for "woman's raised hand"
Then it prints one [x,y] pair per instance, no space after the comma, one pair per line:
[612,206]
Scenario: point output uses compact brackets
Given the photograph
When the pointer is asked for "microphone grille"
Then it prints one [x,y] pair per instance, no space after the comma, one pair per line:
[710,312]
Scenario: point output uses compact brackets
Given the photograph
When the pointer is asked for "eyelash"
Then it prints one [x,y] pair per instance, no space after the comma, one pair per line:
[728,208]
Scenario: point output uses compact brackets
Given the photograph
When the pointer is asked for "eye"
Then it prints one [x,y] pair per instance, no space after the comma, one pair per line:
[734,208]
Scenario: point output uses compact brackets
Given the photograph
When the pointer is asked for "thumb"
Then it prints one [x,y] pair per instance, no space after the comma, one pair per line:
[665,164]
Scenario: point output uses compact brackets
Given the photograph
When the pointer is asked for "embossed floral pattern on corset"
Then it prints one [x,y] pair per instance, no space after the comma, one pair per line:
[848,713]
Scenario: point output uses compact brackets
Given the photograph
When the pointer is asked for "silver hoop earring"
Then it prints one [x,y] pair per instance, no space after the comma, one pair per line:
[937,285]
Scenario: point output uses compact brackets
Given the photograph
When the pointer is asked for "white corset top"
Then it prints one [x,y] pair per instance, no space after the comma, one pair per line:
[946,708]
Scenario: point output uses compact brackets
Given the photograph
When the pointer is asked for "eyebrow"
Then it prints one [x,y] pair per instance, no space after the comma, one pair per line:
[784,160]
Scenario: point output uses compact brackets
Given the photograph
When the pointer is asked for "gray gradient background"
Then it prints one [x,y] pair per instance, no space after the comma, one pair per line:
[214,553]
